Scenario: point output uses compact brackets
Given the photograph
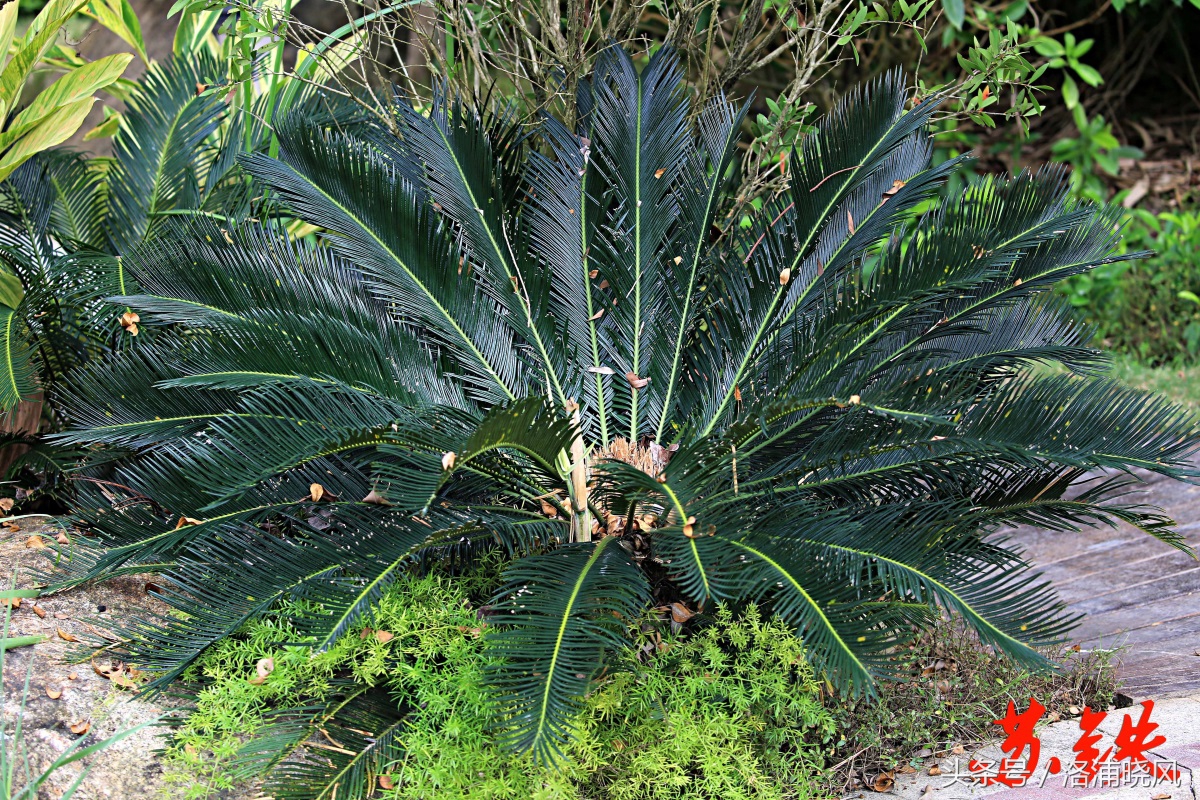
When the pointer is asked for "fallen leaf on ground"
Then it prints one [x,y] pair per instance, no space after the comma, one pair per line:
[81,727]
[122,680]
[1161,797]
[72,676]
[62,538]
[35,542]
[13,602]
[53,694]
[384,636]
[61,615]
[883,782]
[958,749]
[316,492]
[935,770]
[1136,192]
[386,782]
[67,637]
[41,612]
[6,504]
[927,792]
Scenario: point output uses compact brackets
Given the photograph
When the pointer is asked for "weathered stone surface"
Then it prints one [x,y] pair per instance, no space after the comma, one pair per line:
[129,768]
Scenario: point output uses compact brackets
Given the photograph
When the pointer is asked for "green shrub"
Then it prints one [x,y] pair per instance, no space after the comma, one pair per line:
[1155,315]
[1148,309]
[730,712]
[530,340]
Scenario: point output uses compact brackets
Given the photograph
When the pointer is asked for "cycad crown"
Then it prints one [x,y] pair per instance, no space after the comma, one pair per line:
[556,343]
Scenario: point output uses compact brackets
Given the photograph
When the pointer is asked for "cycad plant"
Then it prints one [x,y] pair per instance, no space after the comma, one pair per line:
[67,219]
[555,342]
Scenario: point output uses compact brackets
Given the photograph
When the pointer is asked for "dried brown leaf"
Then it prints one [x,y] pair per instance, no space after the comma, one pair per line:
[448,460]
[681,613]
[383,637]
[35,542]
[41,612]
[53,694]
[375,498]
[67,637]
[81,727]
[316,492]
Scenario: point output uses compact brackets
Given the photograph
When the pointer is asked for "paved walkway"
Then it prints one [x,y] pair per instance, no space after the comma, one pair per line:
[1138,593]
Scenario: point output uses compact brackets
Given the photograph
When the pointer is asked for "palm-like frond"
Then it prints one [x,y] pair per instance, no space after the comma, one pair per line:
[546,341]
[157,159]
[558,612]
[18,380]
[367,729]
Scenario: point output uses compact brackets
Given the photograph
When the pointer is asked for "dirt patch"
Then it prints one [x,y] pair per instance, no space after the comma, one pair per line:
[64,694]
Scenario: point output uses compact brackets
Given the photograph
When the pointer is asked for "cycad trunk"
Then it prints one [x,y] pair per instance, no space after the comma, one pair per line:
[24,419]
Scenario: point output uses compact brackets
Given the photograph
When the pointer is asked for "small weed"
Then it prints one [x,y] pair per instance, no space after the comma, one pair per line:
[950,689]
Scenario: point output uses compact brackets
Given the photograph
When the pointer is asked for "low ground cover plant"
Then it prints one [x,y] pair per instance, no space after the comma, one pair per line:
[553,345]
[723,705]
[730,711]
[945,702]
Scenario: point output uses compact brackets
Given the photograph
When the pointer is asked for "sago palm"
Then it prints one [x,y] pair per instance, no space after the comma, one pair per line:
[67,219]
[555,342]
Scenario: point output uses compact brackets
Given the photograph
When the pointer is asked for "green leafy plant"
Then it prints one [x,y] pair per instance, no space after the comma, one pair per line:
[730,711]
[1066,56]
[487,344]
[1151,310]
[1095,146]
[58,111]
[66,220]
